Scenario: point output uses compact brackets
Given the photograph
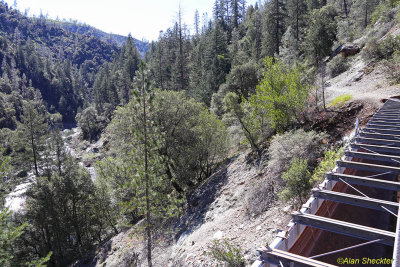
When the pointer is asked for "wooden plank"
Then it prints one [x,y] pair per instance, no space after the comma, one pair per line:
[276,256]
[358,180]
[376,148]
[365,202]
[378,141]
[367,166]
[372,156]
[344,228]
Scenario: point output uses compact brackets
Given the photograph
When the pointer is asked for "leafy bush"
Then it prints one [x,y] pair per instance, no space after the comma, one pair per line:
[250,122]
[382,50]
[339,100]
[337,66]
[382,11]
[260,197]
[91,123]
[392,68]
[195,140]
[327,164]
[281,95]
[294,144]
[298,184]
[226,252]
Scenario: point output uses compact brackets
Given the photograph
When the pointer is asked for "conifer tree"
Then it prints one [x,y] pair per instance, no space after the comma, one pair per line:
[31,133]
[196,22]
[154,196]
[274,26]
[320,37]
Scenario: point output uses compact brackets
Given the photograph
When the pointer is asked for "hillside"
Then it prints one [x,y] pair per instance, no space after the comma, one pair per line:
[41,55]
[196,153]
[110,38]
[221,208]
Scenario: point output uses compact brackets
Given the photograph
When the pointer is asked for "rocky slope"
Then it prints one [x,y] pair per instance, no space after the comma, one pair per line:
[217,210]
[220,208]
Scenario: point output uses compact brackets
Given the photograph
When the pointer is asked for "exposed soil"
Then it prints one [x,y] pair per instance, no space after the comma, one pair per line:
[340,122]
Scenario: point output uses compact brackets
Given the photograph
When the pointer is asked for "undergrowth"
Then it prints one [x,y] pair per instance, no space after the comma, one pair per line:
[340,100]
[228,253]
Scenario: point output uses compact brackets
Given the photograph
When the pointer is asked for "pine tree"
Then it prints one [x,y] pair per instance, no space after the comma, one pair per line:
[32,132]
[274,26]
[154,197]
[297,10]
[362,11]
[196,22]
[320,37]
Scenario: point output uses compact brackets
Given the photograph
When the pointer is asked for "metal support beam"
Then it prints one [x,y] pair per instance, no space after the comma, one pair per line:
[367,167]
[380,135]
[384,120]
[276,257]
[372,156]
[381,130]
[396,249]
[378,141]
[394,118]
[365,202]
[385,125]
[375,148]
[358,180]
[345,228]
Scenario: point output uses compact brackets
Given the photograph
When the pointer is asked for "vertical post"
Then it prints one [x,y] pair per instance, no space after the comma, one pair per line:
[356,128]
[396,249]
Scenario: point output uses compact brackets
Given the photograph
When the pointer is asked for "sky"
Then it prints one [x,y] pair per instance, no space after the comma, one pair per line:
[142,18]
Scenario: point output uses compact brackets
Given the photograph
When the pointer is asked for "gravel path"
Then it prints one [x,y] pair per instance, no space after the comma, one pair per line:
[363,82]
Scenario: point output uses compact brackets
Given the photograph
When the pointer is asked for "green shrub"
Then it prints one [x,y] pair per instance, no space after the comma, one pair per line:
[381,11]
[337,66]
[327,164]
[298,184]
[339,100]
[91,123]
[281,95]
[260,197]
[228,253]
[294,144]
[392,68]
[382,50]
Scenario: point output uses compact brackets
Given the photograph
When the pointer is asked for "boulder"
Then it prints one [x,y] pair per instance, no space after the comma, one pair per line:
[349,50]
[345,50]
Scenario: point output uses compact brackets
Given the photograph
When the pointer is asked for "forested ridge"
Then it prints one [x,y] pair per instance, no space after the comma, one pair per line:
[248,78]
[119,40]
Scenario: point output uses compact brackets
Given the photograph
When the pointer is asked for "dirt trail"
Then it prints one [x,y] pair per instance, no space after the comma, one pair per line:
[363,82]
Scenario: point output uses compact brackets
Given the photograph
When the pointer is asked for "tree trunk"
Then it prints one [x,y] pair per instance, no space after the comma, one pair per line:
[366,14]
[297,20]
[323,83]
[345,8]
[148,226]
[181,68]
[34,149]
[277,26]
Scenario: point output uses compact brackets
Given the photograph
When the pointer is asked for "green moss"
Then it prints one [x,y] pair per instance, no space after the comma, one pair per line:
[339,101]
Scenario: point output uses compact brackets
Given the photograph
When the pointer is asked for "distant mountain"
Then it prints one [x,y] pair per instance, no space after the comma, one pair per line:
[116,39]
[38,55]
